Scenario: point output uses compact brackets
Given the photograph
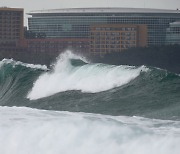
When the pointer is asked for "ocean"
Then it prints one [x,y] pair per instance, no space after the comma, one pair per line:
[78,107]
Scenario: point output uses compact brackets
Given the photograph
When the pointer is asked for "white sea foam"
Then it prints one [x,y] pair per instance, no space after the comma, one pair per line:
[89,78]
[15,63]
[24,130]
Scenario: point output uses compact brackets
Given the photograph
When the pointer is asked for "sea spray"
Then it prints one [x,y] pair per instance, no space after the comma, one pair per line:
[89,78]
[25,130]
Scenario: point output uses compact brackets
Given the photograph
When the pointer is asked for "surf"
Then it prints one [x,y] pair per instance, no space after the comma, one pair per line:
[74,84]
[87,77]
[26,130]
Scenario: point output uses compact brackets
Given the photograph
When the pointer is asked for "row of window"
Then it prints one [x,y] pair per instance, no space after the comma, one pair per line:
[113,33]
[13,13]
[106,50]
[112,46]
[113,42]
[12,37]
[115,28]
[10,18]
[8,32]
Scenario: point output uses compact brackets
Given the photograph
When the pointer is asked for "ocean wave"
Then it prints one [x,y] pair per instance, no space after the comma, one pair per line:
[89,78]
[18,63]
[77,85]
[25,130]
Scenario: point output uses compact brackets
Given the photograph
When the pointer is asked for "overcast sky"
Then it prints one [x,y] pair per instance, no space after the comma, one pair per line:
[30,5]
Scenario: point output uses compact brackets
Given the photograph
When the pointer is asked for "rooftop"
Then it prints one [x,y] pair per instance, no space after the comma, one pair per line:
[4,8]
[105,10]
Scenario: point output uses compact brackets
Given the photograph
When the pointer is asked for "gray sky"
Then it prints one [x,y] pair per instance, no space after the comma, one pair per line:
[30,5]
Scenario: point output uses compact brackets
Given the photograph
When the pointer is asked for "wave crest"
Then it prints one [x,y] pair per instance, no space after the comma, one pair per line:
[16,63]
[90,78]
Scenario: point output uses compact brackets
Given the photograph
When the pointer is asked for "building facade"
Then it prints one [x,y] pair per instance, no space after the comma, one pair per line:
[117,37]
[11,27]
[77,23]
[11,24]
[56,45]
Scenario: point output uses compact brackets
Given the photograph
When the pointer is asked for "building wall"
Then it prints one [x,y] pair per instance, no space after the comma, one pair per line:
[11,24]
[142,33]
[117,37]
[78,24]
[56,46]
[11,29]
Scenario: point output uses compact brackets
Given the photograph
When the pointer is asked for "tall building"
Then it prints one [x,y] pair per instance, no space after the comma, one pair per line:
[11,24]
[117,37]
[11,27]
[100,25]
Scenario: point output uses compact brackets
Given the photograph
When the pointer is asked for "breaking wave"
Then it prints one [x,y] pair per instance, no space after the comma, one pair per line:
[73,84]
[72,72]
[119,109]
[16,63]
[25,130]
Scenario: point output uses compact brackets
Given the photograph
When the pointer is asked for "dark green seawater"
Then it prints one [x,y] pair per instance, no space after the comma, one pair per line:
[149,92]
